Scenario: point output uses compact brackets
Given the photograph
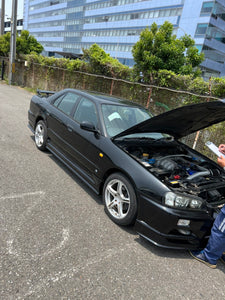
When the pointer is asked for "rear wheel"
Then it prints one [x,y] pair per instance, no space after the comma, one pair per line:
[120,199]
[40,135]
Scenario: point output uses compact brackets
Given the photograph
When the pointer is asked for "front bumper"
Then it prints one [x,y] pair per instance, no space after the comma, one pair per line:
[159,224]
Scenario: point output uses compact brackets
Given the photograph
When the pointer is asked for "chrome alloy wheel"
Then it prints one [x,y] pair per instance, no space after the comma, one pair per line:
[117,199]
[39,135]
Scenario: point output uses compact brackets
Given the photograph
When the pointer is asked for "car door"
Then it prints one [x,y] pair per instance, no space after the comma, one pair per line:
[58,119]
[85,144]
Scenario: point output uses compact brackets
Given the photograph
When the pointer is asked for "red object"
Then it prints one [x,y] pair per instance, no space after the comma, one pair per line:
[176,177]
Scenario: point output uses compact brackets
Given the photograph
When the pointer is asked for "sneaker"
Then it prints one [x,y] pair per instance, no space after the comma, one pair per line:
[222,258]
[200,256]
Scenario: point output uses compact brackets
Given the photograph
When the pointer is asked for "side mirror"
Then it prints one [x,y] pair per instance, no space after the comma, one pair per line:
[88,126]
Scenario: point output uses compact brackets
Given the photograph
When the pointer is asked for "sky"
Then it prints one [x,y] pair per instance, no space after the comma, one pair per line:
[8,7]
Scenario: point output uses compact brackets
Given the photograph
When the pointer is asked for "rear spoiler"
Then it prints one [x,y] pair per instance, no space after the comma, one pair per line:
[43,93]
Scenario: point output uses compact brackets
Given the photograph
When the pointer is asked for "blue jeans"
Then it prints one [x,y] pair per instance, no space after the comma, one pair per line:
[216,244]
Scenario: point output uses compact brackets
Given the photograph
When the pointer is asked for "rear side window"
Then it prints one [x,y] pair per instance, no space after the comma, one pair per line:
[58,100]
[66,102]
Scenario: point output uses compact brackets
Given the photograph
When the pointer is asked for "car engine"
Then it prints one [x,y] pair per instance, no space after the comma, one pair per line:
[180,168]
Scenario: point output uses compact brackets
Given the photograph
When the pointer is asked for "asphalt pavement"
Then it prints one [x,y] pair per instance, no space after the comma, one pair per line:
[56,242]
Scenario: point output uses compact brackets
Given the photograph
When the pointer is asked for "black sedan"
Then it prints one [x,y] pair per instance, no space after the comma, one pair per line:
[146,176]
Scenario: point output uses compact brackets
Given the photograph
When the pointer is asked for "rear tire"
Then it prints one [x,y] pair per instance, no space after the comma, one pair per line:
[40,135]
[119,199]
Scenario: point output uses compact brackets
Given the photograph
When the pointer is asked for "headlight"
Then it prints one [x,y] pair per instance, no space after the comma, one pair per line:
[182,201]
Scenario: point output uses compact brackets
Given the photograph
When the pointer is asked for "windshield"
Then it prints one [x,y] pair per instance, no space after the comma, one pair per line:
[118,118]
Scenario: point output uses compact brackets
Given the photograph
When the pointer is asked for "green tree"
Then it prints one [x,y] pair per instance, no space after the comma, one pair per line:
[5,44]
[158,49]
[25,44]
[102,63]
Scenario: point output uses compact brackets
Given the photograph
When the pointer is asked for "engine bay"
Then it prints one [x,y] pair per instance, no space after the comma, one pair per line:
[179,167]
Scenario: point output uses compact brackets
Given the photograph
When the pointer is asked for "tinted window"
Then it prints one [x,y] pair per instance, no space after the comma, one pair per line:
[67,103]
[58,100]
[86,111]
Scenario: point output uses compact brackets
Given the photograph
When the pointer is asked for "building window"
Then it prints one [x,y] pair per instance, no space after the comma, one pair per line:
[201,29]
[199,47]
[19,22]
[134,16]
[207,8]
[54,3]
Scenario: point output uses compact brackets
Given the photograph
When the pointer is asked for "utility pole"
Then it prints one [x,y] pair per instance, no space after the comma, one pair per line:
[2,18]
[12,56]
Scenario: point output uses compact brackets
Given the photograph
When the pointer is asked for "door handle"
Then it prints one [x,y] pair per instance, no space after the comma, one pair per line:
[70,129]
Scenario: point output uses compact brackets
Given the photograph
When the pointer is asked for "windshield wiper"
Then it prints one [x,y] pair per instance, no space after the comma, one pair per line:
[168,138]
[138,138]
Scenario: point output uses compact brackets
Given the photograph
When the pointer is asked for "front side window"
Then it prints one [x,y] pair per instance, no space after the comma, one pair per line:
[118,118]
[86,111]
[66,102]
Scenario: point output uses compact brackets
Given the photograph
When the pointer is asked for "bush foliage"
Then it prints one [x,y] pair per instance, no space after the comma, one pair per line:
[102,63]
[107,66]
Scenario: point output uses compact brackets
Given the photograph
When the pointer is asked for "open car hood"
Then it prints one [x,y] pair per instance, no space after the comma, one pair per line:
[182,121]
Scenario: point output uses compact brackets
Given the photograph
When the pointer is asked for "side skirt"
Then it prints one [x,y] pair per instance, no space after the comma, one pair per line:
[73,167]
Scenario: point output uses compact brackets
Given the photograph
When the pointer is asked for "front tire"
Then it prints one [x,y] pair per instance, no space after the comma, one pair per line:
[40,135]
[119,199]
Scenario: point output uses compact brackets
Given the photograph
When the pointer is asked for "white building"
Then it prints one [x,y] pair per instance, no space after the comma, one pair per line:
[115,25]
[8,25]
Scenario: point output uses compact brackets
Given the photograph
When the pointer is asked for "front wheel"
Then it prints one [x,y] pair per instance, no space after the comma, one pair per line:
[120,199]
[40,135]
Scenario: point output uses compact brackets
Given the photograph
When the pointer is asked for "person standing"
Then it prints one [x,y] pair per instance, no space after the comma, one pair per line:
[215,248]
[221,159]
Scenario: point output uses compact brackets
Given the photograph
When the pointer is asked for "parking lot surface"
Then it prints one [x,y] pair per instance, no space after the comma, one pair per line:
[56,242]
